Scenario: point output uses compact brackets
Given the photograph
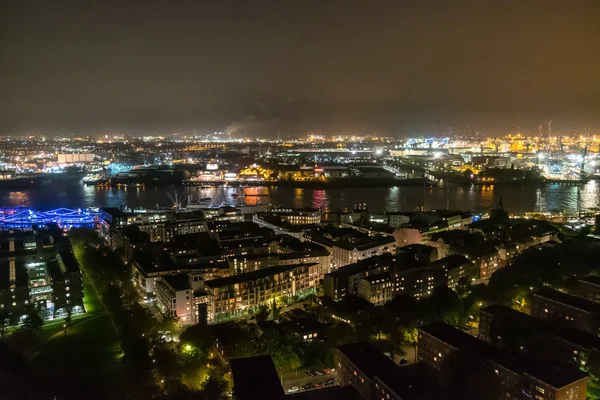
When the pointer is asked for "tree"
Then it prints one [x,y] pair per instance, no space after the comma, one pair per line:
[33,322]
[4,322]
[67,323]
[463,286]
[215,388]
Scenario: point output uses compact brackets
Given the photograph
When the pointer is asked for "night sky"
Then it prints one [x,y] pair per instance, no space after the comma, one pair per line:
[392,67]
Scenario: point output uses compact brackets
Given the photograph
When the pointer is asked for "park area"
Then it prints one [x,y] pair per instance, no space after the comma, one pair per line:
[63,359]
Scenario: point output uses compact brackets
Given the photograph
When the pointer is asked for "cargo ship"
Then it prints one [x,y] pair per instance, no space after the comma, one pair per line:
[13,180]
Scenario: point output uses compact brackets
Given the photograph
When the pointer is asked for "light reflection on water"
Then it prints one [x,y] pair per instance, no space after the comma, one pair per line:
[552,197]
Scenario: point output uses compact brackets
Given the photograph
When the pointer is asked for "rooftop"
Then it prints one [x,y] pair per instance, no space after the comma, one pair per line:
[328,393]
[570,300]
[254,275]
[555,375]
[386,259]
[593,279]
[255,377]
[511,317]
[178,282]
[410,382]
[368,359]
[348,238]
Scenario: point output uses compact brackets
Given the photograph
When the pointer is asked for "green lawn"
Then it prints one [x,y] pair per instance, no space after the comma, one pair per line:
[86,360]
[85,363]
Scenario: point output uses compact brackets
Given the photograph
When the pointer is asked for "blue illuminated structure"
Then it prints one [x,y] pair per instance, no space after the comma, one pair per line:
[25,218]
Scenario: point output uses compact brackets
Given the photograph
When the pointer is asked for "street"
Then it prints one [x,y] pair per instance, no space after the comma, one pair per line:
[303,380]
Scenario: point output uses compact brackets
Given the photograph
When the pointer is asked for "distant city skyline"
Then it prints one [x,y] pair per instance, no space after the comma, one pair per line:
[396,68]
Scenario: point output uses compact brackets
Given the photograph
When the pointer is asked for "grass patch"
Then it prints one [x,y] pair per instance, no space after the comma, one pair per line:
[86,361]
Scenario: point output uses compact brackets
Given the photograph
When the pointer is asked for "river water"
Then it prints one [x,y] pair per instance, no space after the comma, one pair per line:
[551,197]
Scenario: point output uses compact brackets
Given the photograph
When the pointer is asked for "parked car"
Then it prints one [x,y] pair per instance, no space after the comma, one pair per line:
[319,384]
[308,386]
[328,371]
[293,389]
[311,373]
[330,382]
[319,373]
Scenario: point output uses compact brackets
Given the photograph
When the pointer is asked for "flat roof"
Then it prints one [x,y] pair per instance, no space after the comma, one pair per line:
[178,282]
[555,375]
[363,265]
[515,318]
[327,393]
[593,279]
[570,300]
[367,358]
[410,382]
[255,378]
[253,275]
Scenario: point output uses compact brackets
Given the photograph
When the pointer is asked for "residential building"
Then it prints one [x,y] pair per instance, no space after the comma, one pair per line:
[255,377]
[587,287]
[235,296]
[38,270]
[542,339]
[374,376]
[344,281]
[298,216]
[174,297]
[348,245]
[160,226]
[281,226]
[565,309]
[513,375]
[377,289]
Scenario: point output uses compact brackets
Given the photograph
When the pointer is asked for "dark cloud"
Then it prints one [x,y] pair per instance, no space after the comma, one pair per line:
[391,66]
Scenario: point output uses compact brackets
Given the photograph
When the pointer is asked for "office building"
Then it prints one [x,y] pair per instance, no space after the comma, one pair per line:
[39,271]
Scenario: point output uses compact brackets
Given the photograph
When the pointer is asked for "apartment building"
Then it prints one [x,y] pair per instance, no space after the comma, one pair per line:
[38,268]
[374,376]
[160,226]
[235,296]
[175,297]
[514,375]
[345,280]
[565,309]
[348,245]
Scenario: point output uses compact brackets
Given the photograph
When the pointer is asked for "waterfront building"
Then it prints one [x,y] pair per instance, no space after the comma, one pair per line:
[160,226]
[297,216]
[281,226]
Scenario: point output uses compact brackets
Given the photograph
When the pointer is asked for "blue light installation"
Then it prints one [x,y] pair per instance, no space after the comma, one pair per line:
[25,218]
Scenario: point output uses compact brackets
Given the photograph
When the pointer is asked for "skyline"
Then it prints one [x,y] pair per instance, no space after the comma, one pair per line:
[327,67]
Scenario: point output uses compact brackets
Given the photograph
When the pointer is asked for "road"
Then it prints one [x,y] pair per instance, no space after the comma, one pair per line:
[303,380]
